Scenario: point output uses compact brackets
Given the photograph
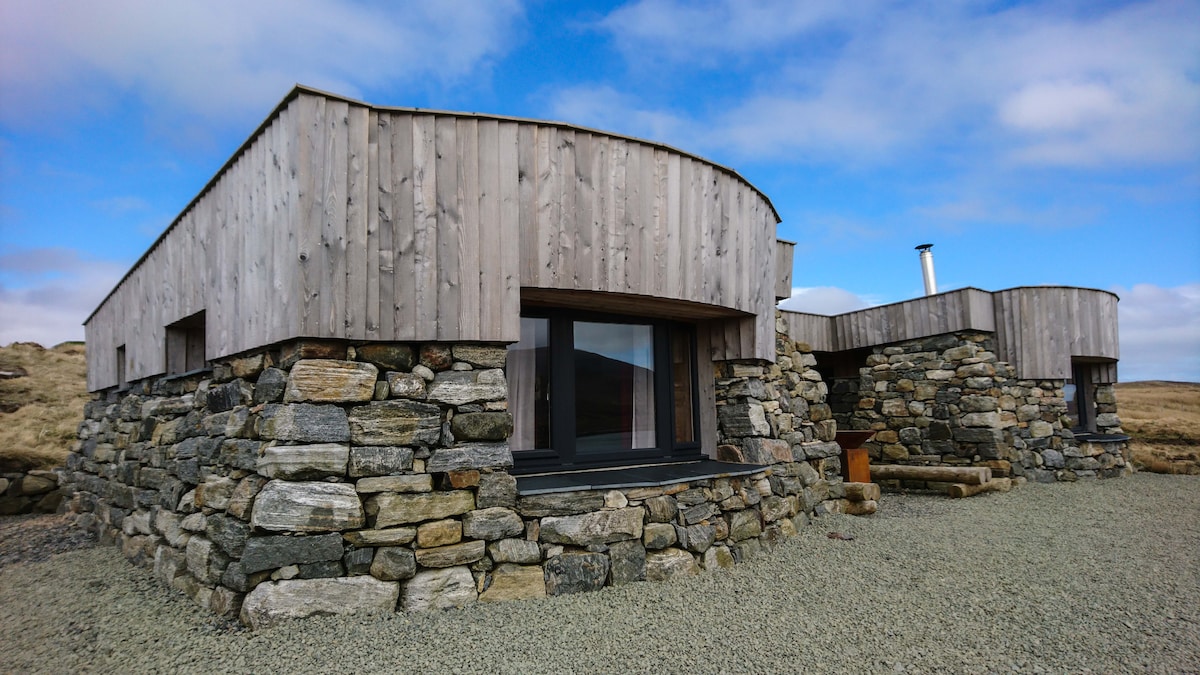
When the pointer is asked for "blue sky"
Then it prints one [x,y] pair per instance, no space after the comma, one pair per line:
[1031,142]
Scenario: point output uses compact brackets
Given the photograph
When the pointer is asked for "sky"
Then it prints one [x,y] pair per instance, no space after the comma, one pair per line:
[1031,142]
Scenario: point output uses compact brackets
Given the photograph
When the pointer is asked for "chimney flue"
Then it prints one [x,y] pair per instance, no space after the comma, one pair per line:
[927,269]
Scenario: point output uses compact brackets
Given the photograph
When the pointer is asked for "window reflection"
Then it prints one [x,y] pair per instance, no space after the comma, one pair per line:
[614,386]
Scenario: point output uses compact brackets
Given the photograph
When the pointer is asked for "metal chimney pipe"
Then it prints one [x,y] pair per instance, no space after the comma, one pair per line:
[927,269]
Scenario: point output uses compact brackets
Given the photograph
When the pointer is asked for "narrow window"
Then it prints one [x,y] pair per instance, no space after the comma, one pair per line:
[1079,393]
[185,345]
[121,382]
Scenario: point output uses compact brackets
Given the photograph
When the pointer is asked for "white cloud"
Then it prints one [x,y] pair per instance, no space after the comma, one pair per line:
[826,300]
[1034,84]
[223,59]
[60,290]
[1160,332]
[605,108]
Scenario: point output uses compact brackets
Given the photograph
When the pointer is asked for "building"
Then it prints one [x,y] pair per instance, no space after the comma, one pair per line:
[402,358]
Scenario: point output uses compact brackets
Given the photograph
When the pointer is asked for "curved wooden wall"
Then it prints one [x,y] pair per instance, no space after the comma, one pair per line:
[341,220]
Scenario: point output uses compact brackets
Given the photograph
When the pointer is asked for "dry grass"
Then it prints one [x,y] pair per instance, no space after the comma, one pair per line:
[40,432]
[1164,420]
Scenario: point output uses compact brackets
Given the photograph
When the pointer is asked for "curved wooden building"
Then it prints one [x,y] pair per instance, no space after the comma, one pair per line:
[337,219]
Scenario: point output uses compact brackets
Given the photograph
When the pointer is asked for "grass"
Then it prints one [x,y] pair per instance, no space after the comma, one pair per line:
[39,433]
[1164,420]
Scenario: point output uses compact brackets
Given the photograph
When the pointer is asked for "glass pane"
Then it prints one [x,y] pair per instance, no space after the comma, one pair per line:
[681,384]
[614,387]
[528,372]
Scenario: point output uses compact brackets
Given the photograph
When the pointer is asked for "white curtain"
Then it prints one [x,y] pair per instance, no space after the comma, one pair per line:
[521,372]
[643,388]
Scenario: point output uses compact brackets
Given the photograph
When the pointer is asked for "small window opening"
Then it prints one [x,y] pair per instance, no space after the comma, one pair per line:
[1080,394]
[121,381]
[185,345]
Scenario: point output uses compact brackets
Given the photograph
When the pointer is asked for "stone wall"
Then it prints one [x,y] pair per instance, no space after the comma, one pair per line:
[776,414]
[948,400]
[322,477]
[29,492]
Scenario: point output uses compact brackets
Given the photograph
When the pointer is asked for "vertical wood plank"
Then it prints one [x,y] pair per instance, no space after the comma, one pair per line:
[374,185]
[405,192]
[527,176]
[510,232]
[467,137]
[357,240]
[490,280]
[615,223]
[677,252]
[449,228]
[384,215]
[584,189]
[425,226]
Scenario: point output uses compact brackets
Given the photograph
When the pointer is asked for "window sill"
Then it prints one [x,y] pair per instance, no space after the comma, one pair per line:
[652,475]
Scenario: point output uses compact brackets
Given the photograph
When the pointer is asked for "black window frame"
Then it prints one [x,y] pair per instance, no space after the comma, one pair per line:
[562,455]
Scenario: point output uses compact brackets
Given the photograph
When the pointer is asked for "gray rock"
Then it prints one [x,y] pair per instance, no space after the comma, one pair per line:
[229,534]
[240,454]
[472,386]
[492,523]
[241,501]
[481,356]
[358,561]
[271,552]
[700,513]
[399,422]
[420,482]
[662,509]
[560,503]
[205,561]
[820,449]
[575,573]
[766,451]
[697,538]
[496,489]
[467,456]
[482,426]
[600,527]
[307,507]
[304,423]
[658,535]
[237,579]
[403,509]
[377,460]
[670,563]
[229,395]
[215,492]
[326,569]
[270,385]
[393,563]
[304,462]
[515,551]
[627,560]
[1053,459]
[744,525]
[270,603]
[394,536]
[743,420]
[439,589]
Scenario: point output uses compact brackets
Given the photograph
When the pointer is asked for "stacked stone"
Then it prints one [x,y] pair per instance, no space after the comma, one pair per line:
[317,470]
[775,414]
[320,477]
[33,491]
[948,400]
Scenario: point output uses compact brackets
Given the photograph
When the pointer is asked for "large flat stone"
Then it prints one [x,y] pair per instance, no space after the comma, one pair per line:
[470,386]
[439,589]
[379,460]
[304,462]
[395,536]
[403,509]
[560,503]
[467,456]
[271,603]
[449,556]
[492,523]
[600,527]
[515,582]
[307,507]
[399,423]
[515,551]
[266,553]
[304,423]
[330,381]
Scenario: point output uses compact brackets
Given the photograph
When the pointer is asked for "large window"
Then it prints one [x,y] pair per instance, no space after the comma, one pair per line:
[185,345]
[596,390]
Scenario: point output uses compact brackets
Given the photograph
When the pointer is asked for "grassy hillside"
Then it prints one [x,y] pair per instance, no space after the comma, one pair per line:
[1164,420]
[41,407]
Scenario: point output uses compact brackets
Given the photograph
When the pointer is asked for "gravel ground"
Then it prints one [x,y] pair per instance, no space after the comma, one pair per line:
[1097,576]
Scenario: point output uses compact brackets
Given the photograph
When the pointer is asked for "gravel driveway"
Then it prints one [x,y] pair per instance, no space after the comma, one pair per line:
[1098,576]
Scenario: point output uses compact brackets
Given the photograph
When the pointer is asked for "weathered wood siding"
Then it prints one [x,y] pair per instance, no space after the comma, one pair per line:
[784,250]
[1039,329]
[341,220]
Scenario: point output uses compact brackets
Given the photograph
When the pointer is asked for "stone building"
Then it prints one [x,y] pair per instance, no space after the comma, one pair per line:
[402,359]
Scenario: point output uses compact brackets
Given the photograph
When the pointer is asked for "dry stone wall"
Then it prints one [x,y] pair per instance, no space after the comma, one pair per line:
[324,477]
[948,400]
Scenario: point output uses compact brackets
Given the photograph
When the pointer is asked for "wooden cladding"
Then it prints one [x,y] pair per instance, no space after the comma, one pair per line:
[341,220]
[1038,329]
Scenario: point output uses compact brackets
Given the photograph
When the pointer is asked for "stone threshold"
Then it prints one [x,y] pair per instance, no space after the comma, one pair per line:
[652,475]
